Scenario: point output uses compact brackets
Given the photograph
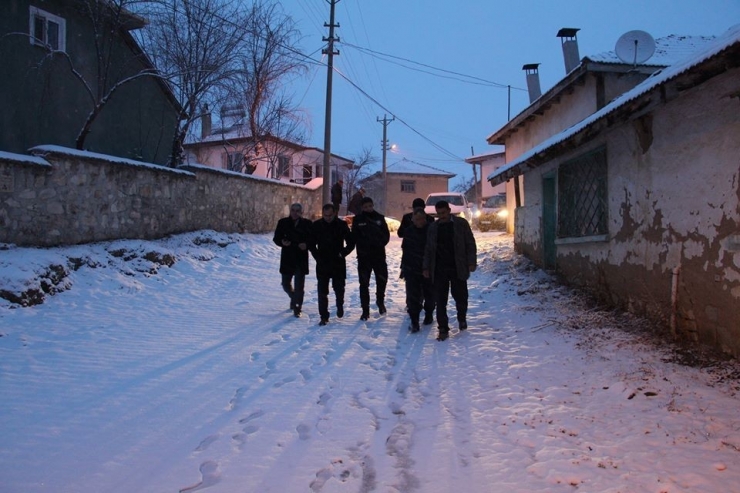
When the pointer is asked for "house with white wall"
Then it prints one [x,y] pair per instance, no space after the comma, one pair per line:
[485,165]
[232,147]
[636,200]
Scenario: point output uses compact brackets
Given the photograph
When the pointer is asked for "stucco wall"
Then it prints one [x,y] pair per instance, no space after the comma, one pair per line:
[66,197]
[673,251]
[569,109]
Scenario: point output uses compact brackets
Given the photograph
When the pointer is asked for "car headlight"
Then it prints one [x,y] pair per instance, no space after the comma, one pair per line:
[503,213]
[478,213]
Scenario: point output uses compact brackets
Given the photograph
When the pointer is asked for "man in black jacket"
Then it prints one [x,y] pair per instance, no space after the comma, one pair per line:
[419,293]
[355,203]
[336,195]
[331,243]
[293,236]
[449,258]
[406,218]
[371,235]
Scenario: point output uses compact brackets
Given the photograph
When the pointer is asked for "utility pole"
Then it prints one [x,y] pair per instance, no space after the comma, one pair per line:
[326,168]
[385,121]
[475,179]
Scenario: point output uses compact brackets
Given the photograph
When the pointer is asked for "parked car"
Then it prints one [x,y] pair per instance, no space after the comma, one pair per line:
[492,215]
[459,204]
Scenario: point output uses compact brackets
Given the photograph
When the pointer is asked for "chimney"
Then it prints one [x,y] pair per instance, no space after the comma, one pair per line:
[533,81]
[205,122]
[568,38]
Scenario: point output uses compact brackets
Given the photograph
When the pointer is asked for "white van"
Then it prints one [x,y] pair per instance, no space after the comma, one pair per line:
[459,205]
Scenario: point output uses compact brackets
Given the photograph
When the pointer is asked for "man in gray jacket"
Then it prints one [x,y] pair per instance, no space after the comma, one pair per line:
[449,258]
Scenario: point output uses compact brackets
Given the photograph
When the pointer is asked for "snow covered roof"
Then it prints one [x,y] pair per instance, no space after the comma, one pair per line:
[406,166]
[241,132]
[668,51]
[485,157]
[729,38]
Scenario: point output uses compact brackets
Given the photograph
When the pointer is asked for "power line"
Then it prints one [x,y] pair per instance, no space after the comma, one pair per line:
[405,124]
[479,80]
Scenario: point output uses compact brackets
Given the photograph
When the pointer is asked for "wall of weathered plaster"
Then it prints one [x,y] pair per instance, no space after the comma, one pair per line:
[62,197]
[674,217]
[564,112]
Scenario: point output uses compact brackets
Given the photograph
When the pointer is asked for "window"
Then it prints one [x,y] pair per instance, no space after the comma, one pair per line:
[582,207]
[46,29]
[408,186]
[233,161]
[283,166]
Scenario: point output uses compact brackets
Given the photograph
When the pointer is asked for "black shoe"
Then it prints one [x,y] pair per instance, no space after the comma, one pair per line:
[340,311]
[414,327]
[381,308]
[443,335]
[365,314]
[462,325]
[324,321]
[297,312]
[428,319]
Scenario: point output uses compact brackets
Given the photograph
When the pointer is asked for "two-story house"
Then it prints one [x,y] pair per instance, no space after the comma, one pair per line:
[230,146]
[53,77]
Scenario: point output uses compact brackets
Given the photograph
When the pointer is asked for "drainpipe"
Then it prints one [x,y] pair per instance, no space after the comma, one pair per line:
[674,299]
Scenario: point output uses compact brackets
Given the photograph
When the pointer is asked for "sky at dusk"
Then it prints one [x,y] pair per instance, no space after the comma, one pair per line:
[443,69]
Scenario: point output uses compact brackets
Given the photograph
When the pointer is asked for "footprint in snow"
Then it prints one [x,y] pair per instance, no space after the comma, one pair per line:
[235,399]
[209,474]
[254,415]
[206,443]
[304,431]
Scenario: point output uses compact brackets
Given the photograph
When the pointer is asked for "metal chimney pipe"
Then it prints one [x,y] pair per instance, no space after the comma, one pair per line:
[569,41]
[533,81]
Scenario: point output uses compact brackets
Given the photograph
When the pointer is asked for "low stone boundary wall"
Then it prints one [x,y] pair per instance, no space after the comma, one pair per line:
[60,196]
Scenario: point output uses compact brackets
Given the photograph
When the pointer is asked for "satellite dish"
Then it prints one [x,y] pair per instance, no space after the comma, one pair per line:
[635,47]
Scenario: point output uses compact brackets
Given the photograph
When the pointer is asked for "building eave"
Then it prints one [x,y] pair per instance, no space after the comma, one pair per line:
[564,87]
[630,106]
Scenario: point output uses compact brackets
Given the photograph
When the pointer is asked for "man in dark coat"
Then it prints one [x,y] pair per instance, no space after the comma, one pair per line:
[406,218]
[336,195]
[419,293]
[293,236]
[355,203]
[331,242]
[449,258]
[371,235]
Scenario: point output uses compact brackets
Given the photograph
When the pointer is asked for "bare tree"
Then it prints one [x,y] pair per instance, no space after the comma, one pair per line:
[199,45]
[464,185]
[359,171]
[269,59]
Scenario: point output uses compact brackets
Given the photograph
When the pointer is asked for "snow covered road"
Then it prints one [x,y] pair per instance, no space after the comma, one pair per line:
[196,377]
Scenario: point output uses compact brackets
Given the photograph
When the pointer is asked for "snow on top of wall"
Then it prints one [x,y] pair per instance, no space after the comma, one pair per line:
[23,158]
[44,149]
[729,38]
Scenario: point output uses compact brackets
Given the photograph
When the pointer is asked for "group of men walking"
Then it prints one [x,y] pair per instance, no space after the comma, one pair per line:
[438,257]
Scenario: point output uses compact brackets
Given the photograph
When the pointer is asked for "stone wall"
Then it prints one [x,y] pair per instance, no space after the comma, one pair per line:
[59,196]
